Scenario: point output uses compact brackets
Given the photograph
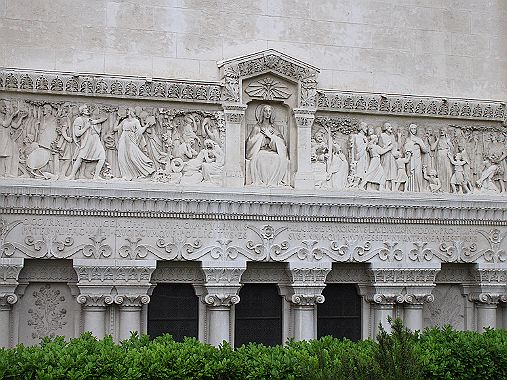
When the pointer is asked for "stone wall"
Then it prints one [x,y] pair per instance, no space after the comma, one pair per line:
[424,47]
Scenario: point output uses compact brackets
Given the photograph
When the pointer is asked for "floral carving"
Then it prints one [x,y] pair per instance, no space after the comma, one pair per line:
[47,316]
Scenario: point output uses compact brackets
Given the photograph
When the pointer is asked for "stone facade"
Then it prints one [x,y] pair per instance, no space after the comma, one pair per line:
[262,173]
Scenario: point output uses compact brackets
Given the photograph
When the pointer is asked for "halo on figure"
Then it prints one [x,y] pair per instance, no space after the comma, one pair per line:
[177,165]
[260,110]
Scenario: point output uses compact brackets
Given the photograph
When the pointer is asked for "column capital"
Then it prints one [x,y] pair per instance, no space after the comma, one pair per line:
[132,300]
[94,300]
[304,117]
[308,280]
[484,299]
[222,283]
[234,112]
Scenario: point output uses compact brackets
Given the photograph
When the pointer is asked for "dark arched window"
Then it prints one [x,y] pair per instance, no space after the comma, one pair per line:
[340,314]
[258,315]
[173,309]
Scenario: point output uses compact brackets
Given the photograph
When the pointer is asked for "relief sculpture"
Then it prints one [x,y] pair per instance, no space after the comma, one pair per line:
[71,141]
[412,158]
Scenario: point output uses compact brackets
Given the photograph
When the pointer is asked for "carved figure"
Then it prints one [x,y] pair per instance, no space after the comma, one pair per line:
[443,148]
[359,143]
[434,184]
[501,154]
[319,147]
[132,161]
[154,146]
[64,147]
[266,151]
[87,133]
[458,177]
[375,173]
[8,146]
[486,183]
[401,176]
[337,168]
[387,138]
[206,167]
[417,148]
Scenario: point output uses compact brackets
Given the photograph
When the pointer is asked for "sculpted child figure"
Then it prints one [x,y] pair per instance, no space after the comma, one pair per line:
[401,177]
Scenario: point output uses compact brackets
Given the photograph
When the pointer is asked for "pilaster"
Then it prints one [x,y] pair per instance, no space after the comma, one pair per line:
[222,283]
[307,283]
[304,178]
[234,173]
[9,274]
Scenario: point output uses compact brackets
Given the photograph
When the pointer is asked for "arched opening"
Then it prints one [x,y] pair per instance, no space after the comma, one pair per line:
[173,309]
[340,314]
[258,315]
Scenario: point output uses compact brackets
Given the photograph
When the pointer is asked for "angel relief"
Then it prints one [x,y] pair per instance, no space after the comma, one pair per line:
[266,150]
[60,140]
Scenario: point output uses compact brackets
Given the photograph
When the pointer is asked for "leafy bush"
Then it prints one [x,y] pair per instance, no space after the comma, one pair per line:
[437,353]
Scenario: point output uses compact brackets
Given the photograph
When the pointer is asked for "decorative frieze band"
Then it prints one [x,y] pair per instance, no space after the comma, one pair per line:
[99,85]
[407,105]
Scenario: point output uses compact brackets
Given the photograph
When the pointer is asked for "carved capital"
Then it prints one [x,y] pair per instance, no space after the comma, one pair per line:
[132,300]
[304,117]
[309,276]
[384,299]
[234,112]
[223,275]
[7,300]
[104,272]
[307,299]
[221,300]
[403,276]
[485,298]
[94,300]
[418,299]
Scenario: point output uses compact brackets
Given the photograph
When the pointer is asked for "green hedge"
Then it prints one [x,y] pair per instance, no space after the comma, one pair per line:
[435,354]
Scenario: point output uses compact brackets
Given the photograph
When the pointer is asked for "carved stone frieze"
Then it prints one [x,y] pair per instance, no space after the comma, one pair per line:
[99,85]
[47,316]
[410,105]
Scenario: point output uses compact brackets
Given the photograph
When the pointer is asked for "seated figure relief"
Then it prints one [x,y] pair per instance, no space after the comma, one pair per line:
[266,151]
[409,158]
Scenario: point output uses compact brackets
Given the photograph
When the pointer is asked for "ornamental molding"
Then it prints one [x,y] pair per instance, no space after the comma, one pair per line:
[411,105]
[94,300]
[108,86]
[113,272]
[29,197]
[399,298]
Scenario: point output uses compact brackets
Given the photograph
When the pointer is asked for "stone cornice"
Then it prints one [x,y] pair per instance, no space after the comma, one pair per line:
[411,105]
[109,86]
[131,200]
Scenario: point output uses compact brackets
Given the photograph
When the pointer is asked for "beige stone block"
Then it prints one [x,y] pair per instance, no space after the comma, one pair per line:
[3,6]
[129,15]
[200,4]
[393,38]
[353,80]
[177,20]
[95,38]
[41,10]
[432,42]
[498,47]
[469,45]
[372,12]
[428,65]
[271,28]
[335,57]
[489,69]
[135,64]
[431,86]
[457,67]
[345,34]
[385,61]
[258,7]
[79,61]
[16,32]
[418,18]
[326,78]
[2,56]
[84,13]
[235,26]
[235,47]
[30,57]
[392,83]
[143,42]
[194,46]
[457,21]
[478,88]
[296,8]
[332,10]
[175,68]
[57,34]
[485,23]
[208,70]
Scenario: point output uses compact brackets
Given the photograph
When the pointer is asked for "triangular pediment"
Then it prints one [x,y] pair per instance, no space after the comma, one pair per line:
[269,61]
[235,70]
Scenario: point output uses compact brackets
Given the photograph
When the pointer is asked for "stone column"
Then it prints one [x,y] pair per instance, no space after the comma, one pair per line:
[234,156]
[307,282]
[383,310]
[413,318]
[486,304]
[9,273]
[94,309]
[304,178]
[222,283]
[130,313]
